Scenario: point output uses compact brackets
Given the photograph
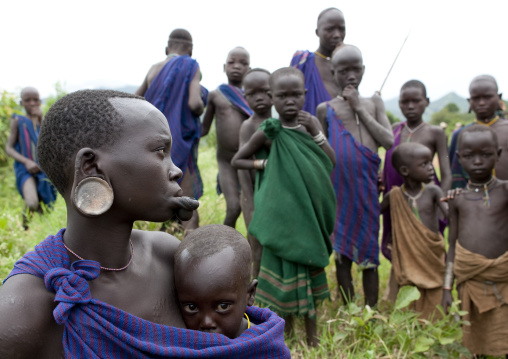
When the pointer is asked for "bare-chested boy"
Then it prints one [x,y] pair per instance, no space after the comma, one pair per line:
[172,85]
[418,249]
[478,251]
[413,101]
[227,103]
[356,127]
[257,93]
[32,183]
[317,66]
[484,101]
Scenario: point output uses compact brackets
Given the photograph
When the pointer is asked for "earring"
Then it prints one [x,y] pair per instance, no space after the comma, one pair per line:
[93,196]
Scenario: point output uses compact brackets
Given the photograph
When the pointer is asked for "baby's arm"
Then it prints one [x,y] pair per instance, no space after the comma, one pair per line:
[378,127]
[452,240]
[313,126]
[243,158]
[196,104]
[444,163]
[31,166]
[209,114]
[322,114]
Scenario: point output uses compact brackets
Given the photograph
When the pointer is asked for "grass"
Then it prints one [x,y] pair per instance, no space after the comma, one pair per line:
[345,331]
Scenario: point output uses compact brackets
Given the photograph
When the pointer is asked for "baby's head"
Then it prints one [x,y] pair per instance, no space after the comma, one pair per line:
[111,150]
[413,160]
[478,151]
[287,86]
[257,90]
[212,280]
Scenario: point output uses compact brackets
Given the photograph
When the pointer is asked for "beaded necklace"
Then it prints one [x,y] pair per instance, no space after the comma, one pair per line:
[490,123]
[412,200]
[485,186]
[106,268]
[327,58]
[412,131]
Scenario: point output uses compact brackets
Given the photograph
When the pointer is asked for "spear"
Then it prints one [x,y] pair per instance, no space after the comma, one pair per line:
[393,64]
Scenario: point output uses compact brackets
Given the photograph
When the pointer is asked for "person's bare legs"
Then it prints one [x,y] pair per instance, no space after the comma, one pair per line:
[31,198]
[344,279]
[257,251]
[188,190]
[229,184]
[311,331]
[289,326]
[370,280]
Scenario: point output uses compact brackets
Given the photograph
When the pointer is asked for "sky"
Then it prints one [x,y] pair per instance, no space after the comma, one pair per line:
[110,44]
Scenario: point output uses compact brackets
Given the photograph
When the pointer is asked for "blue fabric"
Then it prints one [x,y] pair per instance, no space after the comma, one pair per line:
[169,92]
[95,329]
[354,180]
[26,145]
[316,90]
[236,98]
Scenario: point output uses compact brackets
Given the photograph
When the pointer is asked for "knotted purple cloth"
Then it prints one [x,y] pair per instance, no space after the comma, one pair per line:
[95,329]
[316,90]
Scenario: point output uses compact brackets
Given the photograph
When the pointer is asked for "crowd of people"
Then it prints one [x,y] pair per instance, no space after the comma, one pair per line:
[308,184]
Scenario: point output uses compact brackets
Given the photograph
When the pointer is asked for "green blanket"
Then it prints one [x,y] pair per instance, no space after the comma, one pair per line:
[293,219]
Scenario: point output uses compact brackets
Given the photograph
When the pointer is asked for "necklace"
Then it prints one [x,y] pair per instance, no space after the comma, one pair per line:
[292,128]
[412,199]
[327,58]
[485,189]
[412,131]
[490,123]
[106,268]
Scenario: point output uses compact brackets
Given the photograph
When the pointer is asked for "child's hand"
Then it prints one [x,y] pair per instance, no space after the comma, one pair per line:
[451,194]
[309,122]
[351,95]
[32,167]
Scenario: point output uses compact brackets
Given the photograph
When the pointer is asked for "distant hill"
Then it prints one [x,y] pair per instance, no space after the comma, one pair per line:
[392,105]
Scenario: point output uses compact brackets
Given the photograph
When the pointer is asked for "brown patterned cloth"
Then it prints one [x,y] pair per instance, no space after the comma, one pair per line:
[483,290]
[418,255]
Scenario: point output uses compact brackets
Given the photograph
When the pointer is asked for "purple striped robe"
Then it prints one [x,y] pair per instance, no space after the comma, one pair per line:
[316,90]
[354,179]
[95,329]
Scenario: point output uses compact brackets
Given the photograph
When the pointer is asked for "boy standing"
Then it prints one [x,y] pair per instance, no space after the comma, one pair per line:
[32,183]
[355,127]
[294,206]
[257,88]
[478,251]
[484,101]
[230,108]
[317,66]
[172,86]
[418,250]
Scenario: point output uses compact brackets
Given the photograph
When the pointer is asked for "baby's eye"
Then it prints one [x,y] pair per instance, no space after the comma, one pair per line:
[223,307]
[190,308]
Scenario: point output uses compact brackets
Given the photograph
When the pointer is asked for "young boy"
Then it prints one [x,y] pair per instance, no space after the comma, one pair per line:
[213,280]
[418,250]
[355,127]
[413,101]
[32,183]
[109,154]
[294,205]
[484,102]
[478,251]
[228,105]
[257,90]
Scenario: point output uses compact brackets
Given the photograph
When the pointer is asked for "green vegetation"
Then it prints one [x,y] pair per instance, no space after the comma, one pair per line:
[346,331]
[451,116]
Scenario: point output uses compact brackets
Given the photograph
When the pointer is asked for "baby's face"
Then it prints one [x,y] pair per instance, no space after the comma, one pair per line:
[212,294]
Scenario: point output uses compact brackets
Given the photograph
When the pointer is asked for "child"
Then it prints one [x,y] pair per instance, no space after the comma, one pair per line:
[484,102]
[109,154]
[213,280]
[355,127]
[257,90]
[32,183]
[229,106]
[418,250]
[413,101]
[294,205]
[478,251]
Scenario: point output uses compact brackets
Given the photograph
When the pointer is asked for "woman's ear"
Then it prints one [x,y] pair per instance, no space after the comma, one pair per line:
[91,192]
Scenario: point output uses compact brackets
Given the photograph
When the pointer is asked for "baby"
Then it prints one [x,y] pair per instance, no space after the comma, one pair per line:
[212,280]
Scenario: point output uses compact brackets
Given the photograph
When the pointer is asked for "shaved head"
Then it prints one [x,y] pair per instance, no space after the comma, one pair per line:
[484,78]
[28,89]
[346,51]
[325,11]
[239,50]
